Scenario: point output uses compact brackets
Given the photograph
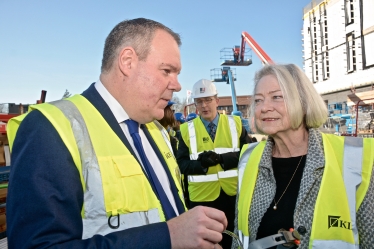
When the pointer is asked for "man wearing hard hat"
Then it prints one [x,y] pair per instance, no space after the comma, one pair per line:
[208,154]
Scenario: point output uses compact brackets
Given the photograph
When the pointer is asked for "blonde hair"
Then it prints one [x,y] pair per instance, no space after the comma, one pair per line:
[303,104]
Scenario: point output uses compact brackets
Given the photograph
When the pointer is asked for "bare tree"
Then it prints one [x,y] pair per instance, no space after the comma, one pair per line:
[180,105]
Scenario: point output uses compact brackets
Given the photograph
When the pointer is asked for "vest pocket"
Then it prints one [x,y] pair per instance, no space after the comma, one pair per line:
[125,186]
[203,191]
[229,185]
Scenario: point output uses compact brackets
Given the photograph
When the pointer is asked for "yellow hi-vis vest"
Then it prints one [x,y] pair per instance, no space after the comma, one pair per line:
[203,188]
[334,220]
[113,181]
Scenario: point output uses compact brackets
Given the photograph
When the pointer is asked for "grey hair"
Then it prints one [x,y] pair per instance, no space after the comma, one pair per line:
[137,33]
[303,103]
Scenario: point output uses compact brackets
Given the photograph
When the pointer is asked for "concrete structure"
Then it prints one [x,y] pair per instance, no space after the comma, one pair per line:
[225,104]
[338,40]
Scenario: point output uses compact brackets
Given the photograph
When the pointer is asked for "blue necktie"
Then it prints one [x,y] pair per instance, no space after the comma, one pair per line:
[212,132]
[133,127]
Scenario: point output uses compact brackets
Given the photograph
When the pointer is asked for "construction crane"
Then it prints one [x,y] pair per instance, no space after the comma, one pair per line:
[246,38]
[238,56]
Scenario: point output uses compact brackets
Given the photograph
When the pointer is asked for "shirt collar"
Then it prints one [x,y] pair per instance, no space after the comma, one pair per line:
[215,121]
[117,110]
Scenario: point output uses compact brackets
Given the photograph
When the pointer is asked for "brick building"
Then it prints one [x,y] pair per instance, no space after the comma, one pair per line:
[243,102]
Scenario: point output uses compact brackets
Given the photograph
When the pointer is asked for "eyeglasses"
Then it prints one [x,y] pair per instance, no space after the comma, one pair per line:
[201,101]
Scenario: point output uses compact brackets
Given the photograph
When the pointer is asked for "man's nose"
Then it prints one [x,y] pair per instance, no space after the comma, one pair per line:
[175,85]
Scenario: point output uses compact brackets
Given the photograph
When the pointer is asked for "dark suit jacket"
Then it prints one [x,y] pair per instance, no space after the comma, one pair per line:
[45,194]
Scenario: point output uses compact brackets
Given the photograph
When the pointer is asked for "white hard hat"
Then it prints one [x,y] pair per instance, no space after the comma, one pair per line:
[204,88]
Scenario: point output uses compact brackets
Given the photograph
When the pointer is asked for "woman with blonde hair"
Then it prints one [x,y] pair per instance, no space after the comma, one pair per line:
[319,184]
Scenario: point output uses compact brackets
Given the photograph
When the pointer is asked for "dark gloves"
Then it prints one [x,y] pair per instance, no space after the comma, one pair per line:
[209,158]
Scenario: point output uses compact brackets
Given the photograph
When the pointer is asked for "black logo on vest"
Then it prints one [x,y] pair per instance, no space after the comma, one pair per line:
[168,155]
[335,221]
[205,139]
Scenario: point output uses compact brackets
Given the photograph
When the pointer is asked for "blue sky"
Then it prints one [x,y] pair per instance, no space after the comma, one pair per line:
[56,45]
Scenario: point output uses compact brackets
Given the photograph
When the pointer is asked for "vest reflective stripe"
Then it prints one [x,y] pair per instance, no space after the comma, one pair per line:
[224,150]
[106,193]
[338,244]
[207,187]
[246,152]
[164,133]
[352,175]
[202,178]
[234,134]
[243,239]
[244,205]
[228,173]
[339,158]
[213,177]
[193,144]
[59,121]
[216,150]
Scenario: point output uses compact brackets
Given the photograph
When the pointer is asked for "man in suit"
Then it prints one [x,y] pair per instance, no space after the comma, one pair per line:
[94,171]
[208,154]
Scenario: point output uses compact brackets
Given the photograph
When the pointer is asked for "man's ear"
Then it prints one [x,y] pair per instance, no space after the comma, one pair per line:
[126,60]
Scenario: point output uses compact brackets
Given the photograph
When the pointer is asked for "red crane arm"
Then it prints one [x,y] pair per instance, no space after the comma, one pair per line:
[265,59]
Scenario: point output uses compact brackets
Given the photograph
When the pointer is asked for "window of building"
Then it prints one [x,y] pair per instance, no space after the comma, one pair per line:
[349,12]
[351,53]
[324,42]
[367,38]
[314,54]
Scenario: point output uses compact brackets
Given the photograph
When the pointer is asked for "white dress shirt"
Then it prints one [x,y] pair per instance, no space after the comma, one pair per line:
[121,115]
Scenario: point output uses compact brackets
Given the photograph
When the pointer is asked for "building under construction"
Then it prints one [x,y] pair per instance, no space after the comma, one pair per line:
[338,41]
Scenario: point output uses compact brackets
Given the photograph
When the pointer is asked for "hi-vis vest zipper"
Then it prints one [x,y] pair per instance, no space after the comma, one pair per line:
[113,182]
[334,220]
[207,187]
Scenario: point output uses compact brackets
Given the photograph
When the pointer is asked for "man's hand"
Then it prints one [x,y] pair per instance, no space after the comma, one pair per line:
[200,227]
[216,157]
[209,158]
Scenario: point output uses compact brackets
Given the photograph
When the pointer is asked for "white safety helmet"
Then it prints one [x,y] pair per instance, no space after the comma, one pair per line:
[204,88]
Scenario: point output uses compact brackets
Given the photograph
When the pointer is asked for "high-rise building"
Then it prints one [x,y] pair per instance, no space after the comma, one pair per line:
[338,40]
